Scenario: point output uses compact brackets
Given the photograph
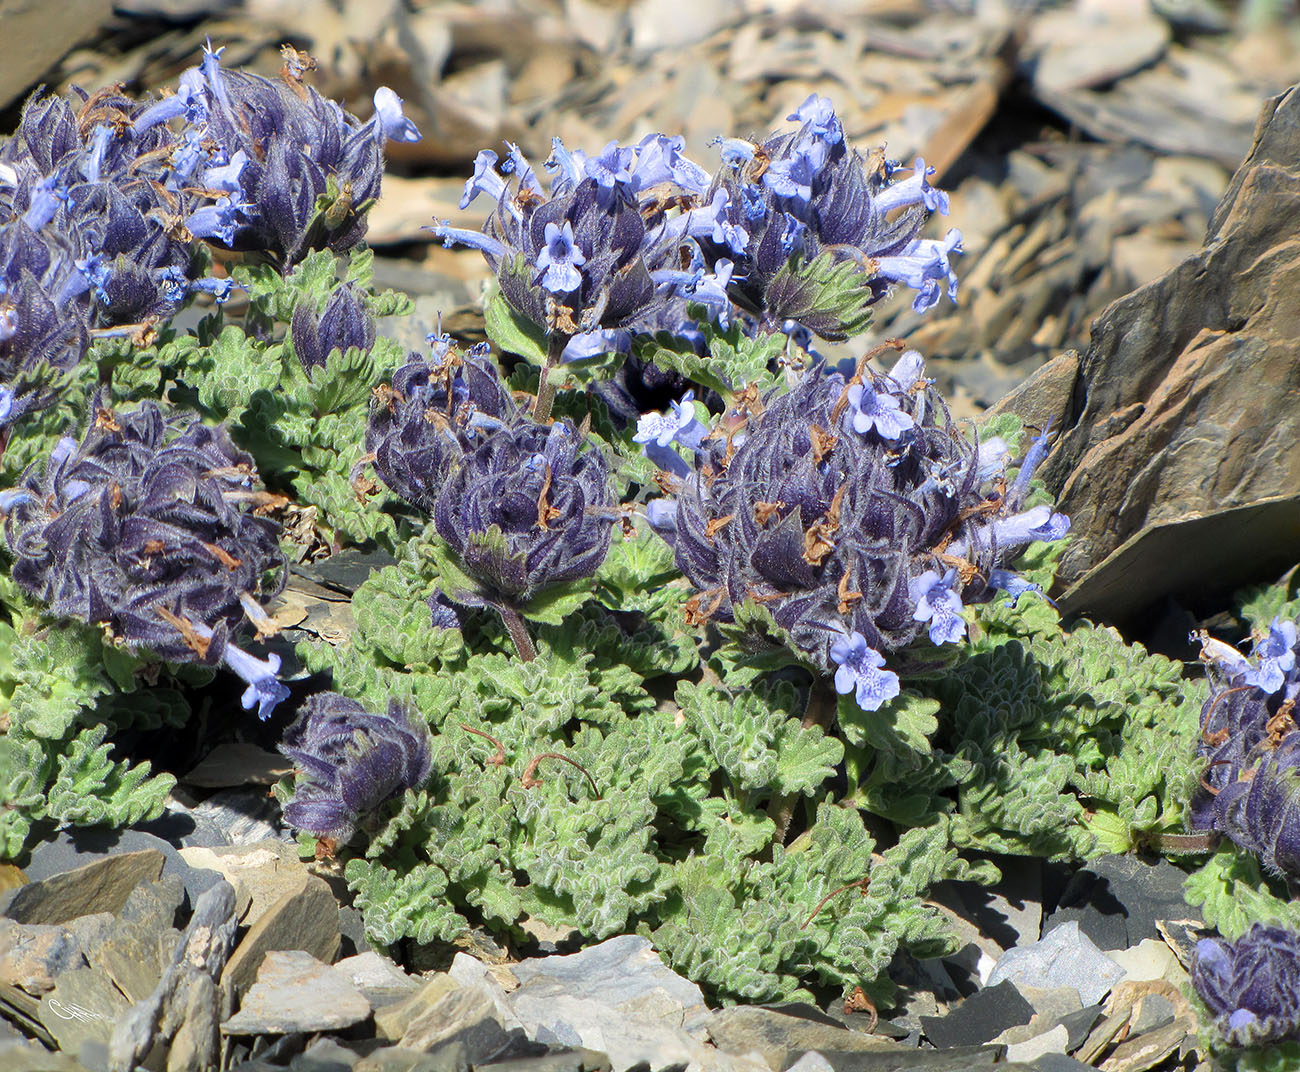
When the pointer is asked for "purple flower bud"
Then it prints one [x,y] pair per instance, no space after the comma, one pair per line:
[1252,985]
[351,761]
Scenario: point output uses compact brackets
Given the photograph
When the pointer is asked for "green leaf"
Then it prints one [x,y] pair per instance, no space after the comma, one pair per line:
[513,333]
[1233,893]
[832,296]
[734,359]
[556,602]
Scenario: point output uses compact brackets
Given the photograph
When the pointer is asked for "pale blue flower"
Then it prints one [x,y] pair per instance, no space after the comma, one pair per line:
[938,603]
[1275,655]
[389,118]
[859,671]
[879,410]
[559,260]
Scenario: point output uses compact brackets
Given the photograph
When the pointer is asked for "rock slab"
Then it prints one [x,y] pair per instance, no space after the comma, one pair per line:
[296,992]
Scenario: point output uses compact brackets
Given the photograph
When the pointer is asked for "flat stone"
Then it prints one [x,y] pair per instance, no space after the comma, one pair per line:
[261,872]
[392,1020]
[296,992]
[1065,957]
[780,1039]
[466,1016]
[154,905]
[377,977]
[1079,1025]
[101,886]
[812,1061]
[84,1006]
[979,1018]
[238,763]
[624,973]
[305,919]
[1053,1041]
[1058,1062]
[245,816]
[23,1056]
[325,1055]
[81,845]
[399,1059]
[1148,960]
[1118,900]
[133,957]
[1155,1011]
[566,1060]
[497,979]
[32,955]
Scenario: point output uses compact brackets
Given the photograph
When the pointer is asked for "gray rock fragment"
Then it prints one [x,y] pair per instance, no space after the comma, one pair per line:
[1065,957]
[185,994]
[378,978]
[101,886]
[779,1039]
[465,1016]
[296,992]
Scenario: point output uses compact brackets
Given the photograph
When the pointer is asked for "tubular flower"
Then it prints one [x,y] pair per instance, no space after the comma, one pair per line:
[1250,744]
[1252,985]
[584,256]
[839,528]
[351,761]
[152,528]
[799,197]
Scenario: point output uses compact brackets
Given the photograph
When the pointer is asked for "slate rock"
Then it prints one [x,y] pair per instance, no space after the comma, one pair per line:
[470,971]
[399,1059]
[392,1020]
[1079,1025]
[1058,1062]
[80,845]
[33,954]
[556,1060]
[325,1055]
[84,1006]
[466,1017]
[1168,460]
[23,1056]
[1149,960]
[1052,1041]
[624,973]
[296,992]
[779,1039]
[154,905]
[1065,957]
[377,977]
[244,816]
[1117,900]
[981,1017]
[812,1061]
[262,872]
[305,919]
[100,886]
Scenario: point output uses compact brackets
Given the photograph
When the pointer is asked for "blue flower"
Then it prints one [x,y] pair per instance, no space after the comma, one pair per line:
[914,191]
[264,688]
[1013,584]
[559,260]
[923,266]
[658,431]
[938,603]
[389,120]
[611,166]
[858,671]
[1276,657]
[879,410]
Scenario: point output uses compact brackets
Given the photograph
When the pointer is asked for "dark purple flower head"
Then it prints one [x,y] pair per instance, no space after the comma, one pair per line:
[530,507]
[797,196]
[151,527]
[598,250]
[854,534]
[1250,745]
[345,322]
[435,411]
[1252,985]
[350,761]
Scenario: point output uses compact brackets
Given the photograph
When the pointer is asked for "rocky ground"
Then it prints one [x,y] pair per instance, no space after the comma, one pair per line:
[1090,149]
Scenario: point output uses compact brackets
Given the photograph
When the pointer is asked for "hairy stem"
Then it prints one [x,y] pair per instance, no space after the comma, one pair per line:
[545,388]
[518,633]
[819,712]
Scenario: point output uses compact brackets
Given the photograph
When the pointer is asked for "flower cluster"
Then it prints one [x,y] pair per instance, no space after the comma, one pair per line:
[1250,744]
[299,170]
[350,761]
[345,322]
[628,238]
[523,505]
[598,251]
[153,528]
[1252,985]
[853,511]
[104,198]
[797,197]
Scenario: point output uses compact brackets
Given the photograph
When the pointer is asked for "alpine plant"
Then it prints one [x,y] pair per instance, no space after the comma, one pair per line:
[350,761]
[852,510]
[523,505]
[154,528]
[1250,745]
[802,216]
[1251,986]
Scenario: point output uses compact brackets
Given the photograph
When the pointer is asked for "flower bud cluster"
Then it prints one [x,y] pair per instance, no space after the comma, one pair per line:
[1250,744]
[350,761]
[1252,985]
[524,505]
[628,238]
[152,527]
[104,197]
[852,510]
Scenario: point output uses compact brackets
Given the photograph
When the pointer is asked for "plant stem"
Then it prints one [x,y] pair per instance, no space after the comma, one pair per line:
[546,389]
[820,711]
[518,633]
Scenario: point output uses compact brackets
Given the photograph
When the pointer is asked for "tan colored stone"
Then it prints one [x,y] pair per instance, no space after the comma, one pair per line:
[100,886]
[305,918]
